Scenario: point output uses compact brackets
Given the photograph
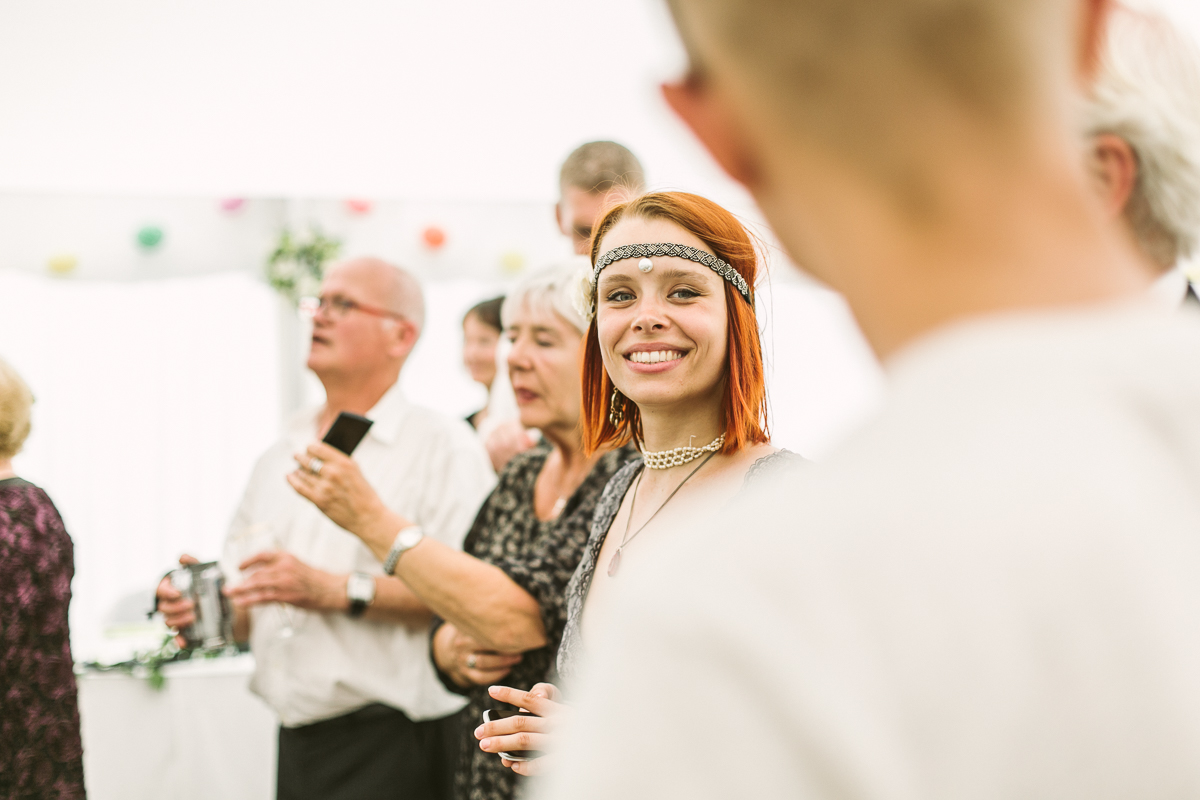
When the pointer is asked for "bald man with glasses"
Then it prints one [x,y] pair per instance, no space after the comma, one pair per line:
[341,649]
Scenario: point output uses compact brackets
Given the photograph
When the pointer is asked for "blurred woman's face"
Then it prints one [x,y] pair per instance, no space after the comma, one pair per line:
[479,350]
[663,333]
[544,367]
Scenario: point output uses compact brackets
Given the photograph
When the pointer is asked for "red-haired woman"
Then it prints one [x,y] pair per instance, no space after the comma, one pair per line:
[672,362]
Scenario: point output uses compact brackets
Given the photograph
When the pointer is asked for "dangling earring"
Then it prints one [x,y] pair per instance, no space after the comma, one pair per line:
[616,409]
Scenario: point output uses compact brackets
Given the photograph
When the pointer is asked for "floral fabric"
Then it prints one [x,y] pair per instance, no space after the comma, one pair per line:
[41,755]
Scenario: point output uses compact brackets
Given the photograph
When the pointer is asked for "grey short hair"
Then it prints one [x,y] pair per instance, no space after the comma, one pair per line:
[15,403]
[403,293]
[549,289]
[408,298]
[1147,92]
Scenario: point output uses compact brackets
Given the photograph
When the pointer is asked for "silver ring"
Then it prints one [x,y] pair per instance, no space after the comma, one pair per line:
[471,661]
[314,465]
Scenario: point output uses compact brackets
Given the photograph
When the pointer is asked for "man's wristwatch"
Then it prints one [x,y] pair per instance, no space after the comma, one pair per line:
[360,589]
[406,539]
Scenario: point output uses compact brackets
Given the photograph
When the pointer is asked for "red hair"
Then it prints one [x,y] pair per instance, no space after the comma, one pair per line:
[744,399]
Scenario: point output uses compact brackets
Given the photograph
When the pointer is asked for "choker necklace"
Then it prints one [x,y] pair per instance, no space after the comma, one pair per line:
[615,563]
[665,459]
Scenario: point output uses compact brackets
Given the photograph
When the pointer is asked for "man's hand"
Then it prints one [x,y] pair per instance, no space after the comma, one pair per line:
[280,577]
[178,611]
[466,661]
[338,488]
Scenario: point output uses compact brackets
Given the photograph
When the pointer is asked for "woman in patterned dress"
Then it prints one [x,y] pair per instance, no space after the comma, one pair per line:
[672,363]
[40,750]
[501,601]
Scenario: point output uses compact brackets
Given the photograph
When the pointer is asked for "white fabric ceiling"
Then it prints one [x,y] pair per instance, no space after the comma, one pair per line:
[461,99]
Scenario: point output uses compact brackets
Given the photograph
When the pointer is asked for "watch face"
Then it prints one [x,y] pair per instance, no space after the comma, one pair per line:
[360,587]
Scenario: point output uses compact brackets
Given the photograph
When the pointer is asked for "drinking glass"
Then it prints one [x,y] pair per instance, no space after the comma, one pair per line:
[249,541]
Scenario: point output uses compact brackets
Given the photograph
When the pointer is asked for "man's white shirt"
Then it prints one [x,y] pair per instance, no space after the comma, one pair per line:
[991,591]
[313,665]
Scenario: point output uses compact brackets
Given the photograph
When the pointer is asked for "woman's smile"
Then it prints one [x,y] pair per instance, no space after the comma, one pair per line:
[654,356]
[647,361]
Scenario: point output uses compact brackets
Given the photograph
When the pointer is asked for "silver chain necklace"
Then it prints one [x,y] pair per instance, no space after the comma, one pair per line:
[615,563]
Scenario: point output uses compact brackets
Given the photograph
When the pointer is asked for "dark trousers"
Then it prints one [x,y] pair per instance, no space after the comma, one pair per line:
[371,754]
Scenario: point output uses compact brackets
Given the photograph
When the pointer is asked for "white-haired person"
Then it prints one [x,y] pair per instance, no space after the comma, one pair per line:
[1142,118]
[41,754]
[501,600]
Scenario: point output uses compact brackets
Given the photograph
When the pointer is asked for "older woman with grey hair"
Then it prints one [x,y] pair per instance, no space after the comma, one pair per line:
[1142,118]
[501,601]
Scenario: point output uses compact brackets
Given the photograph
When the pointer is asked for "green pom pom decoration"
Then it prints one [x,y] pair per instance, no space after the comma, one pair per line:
[150,237]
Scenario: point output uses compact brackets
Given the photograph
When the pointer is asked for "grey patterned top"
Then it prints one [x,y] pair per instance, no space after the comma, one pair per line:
[571,650]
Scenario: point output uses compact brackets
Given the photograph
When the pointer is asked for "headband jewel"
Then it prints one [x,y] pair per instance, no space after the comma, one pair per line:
[643,251]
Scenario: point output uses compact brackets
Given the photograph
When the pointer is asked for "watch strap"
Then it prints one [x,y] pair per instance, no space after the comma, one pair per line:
[358,604]
[406,539]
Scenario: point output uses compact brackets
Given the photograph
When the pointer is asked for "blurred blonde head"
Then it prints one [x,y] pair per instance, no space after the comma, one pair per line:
[873,80]
[15,403]
[1147,92]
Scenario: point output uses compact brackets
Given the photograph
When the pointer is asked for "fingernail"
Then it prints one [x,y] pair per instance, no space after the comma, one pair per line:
[478,731]
[493,690]
[484,744]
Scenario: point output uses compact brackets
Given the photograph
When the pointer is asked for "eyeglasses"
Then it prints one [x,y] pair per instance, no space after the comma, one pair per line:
[337,307]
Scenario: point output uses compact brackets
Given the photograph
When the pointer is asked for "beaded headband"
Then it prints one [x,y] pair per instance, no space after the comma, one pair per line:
[702,257]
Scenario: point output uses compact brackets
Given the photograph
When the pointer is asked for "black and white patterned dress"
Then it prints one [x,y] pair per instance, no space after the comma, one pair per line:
[540,556]
[571,650]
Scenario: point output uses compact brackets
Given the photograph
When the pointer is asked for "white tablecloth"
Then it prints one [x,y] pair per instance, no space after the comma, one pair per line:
[203,736]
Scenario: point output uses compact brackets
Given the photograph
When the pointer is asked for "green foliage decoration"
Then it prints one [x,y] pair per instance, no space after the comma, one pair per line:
[297,265]
[148,664]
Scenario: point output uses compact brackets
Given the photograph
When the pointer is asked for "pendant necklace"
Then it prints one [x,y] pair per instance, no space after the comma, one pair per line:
[615,563]
[559,505]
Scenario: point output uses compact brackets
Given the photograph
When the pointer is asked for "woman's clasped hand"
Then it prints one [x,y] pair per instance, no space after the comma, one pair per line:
[467,661]
[525,731]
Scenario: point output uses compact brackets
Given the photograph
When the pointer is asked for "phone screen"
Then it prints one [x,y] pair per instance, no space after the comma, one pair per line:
[493,714]
[347,431]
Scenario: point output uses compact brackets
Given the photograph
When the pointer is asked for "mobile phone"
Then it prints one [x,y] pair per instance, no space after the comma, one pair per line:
[347,431]
[493,714]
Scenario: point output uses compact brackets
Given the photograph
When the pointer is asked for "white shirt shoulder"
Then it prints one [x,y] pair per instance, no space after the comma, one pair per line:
[989,592]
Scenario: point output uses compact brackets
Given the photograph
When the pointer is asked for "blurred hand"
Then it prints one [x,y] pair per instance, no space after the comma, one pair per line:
[339,489]
[466,662]
[178,611]
[508,439]
[279,577]
[524,731]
